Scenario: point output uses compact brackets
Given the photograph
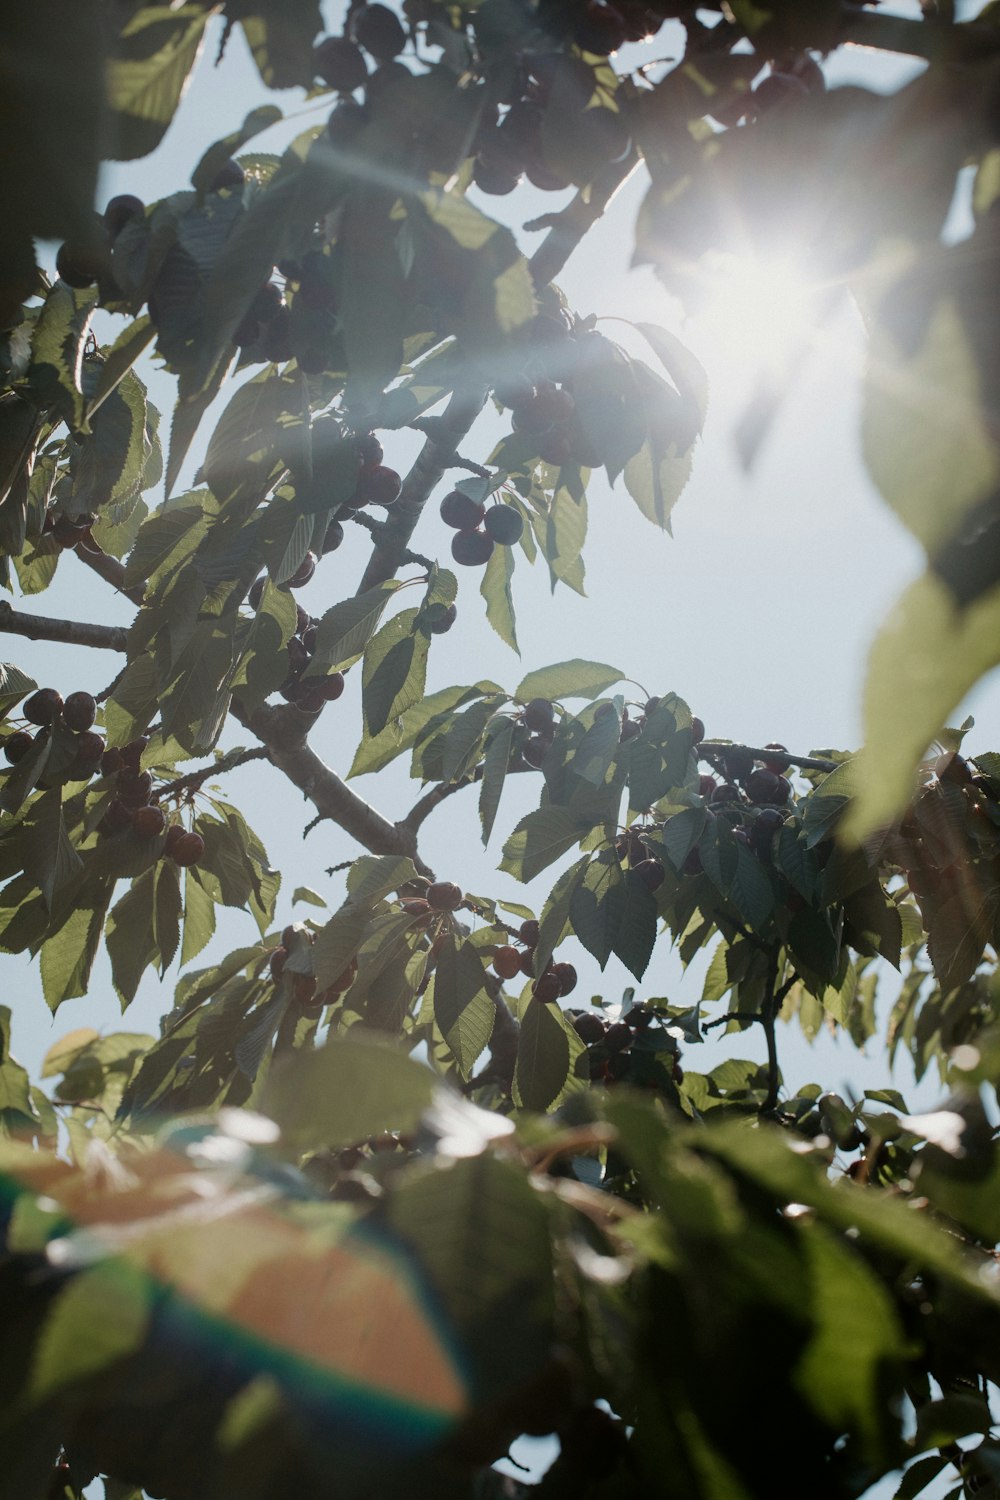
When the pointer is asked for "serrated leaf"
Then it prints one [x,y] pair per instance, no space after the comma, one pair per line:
[50,858]
[958,932]
[463,1009]
[14,685]
[568,679]
[595,907]
[156,51]
[750,891]
[541,837]
[633,923]
[496,590]
[395,670]
[344,631]
[495,763]
[547,1052]
[68,956]
[199,917]
[130,942]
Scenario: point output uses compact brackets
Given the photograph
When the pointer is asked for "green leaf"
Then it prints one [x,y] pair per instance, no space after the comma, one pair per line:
[687,373]
[99,1318]
[568,679]
[750,890]
[495,763]
[463,1009]
[395,669]
[496,590]
[130,942]
[633,922]
[308,895]
[932,460]
[555,913]
[547,1052]
[939,1423]
[155,53]
[926,657]
[199,917]
[345,630]
[119,359]
[857,1340]
[57,345]
[373,305]
[345,1091]
[218,154]
[919,1475]
[68,956]
[541,837]
[813,943]
[281,40]
[14,685]
[596,906]
[50,858]
[462,744]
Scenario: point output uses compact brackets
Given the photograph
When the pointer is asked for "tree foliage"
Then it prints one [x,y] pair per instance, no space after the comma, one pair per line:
[375,1202]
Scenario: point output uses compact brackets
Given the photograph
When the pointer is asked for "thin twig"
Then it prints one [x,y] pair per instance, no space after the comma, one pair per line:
[432,799]
[70,632]
[194,779]
[768,1019]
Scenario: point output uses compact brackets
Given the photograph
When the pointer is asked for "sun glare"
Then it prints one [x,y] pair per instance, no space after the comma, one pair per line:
[759,314]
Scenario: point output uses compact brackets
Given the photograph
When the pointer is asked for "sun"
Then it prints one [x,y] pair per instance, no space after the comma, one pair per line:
[759,313]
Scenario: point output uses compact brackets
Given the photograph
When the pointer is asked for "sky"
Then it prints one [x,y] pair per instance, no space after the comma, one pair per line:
[759,610]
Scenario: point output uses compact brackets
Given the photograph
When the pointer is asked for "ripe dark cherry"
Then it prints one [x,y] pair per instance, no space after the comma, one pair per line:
[148,822]
[618,1037]
[589,1027]
[379,30]
[231,175]
[459,511]
[528,932]
[527,962]
[547,987]
[340,63]
[134,787]
[303,572]
[504,524]
[444,895]
[566,975]
[132,752]
[535,750]
[539,715]
[697,731]
[650,872]
[764,786]
[119,210]
[16,746]
[443,623]
[332,686]
[507,961]
[79,711]
[42,707]
[278,960]
[776,763]
[473,549]
[89,750]
[186,850]
[333,537]
[379,486]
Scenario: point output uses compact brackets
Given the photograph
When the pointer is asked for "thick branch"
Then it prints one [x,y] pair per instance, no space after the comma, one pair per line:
[431,463]
[110,569]
[283,731]
[571,225]
[72,632]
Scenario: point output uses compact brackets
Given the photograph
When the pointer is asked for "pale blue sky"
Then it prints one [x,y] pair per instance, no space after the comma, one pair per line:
[759,611]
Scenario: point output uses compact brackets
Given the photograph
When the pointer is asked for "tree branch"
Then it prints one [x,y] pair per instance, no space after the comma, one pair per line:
[283,732]
[429,467]
[768,1019]
[432,799]
[70,632]
[110,569]
[806,762]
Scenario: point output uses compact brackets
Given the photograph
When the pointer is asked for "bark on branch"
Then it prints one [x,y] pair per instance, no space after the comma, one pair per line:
[70,632]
